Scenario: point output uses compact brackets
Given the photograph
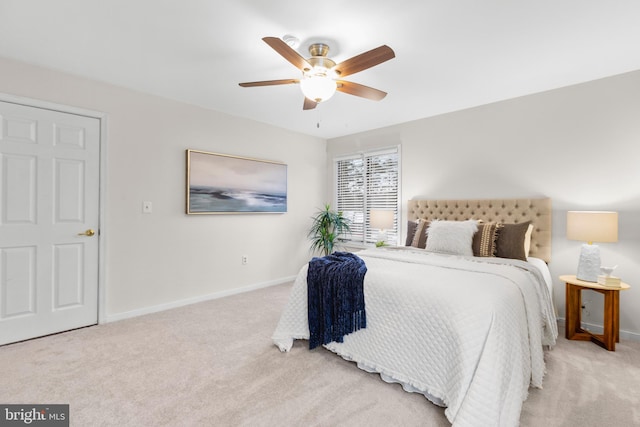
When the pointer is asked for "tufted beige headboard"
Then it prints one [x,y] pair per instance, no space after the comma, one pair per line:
[509,211]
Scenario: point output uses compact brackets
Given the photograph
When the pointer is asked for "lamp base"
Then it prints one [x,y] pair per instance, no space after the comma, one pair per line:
[589,264]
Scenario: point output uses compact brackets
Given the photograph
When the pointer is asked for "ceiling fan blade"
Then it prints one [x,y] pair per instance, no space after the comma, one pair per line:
[270,83]
[364,60]
[360,90]
[309,104]
[287,53]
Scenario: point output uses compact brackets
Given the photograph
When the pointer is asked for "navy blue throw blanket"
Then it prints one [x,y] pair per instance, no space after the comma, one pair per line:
[335,297]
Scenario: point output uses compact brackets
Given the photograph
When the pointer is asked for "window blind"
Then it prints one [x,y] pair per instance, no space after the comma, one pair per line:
[364,182]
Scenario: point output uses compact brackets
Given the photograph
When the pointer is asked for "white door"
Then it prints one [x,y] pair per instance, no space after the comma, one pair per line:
[49,207]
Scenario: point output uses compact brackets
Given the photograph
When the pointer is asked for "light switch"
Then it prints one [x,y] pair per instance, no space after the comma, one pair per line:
[147,207]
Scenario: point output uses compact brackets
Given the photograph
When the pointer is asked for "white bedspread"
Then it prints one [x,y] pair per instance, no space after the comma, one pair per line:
[465,333]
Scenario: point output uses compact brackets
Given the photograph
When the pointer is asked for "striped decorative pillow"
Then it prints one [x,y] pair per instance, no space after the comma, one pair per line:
[485,241]
[420,237]
[411,231]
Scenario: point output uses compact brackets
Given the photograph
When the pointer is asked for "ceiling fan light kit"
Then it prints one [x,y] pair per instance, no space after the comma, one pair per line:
[318,87]
[320,74]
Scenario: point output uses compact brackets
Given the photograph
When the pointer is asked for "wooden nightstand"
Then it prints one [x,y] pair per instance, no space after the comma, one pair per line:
[573,306]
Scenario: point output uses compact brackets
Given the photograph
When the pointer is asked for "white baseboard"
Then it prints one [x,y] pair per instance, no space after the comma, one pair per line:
[194,300]
[597,329]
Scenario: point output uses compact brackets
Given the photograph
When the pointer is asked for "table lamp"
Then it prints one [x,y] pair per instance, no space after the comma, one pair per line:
[591,226]
[382,220]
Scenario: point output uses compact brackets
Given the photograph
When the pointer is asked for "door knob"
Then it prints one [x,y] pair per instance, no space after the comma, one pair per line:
[89,233]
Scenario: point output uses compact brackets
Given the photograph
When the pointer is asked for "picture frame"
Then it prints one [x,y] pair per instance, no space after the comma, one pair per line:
[226,184]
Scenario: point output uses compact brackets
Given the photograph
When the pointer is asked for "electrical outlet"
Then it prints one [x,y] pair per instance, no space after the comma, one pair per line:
[245,260]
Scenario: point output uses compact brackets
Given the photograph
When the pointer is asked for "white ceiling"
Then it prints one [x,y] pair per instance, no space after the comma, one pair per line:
[450,54]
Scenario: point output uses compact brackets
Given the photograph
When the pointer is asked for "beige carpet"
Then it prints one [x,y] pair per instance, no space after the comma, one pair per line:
[213,364]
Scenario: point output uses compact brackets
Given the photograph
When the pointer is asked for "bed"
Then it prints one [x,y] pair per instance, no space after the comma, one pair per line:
[467,329]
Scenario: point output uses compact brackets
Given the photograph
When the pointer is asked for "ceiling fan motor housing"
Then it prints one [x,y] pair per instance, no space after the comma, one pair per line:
[320,64]
[319,49]
[319,58]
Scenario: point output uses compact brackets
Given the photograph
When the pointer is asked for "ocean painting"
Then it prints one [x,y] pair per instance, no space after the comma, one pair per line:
[220,183]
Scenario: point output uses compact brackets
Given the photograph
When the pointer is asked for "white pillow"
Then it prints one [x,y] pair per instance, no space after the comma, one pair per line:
[451,237]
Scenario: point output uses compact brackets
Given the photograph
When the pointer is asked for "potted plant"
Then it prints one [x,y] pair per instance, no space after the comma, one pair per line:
[326,229]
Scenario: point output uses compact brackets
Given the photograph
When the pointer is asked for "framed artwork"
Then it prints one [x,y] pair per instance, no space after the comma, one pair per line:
[222,184]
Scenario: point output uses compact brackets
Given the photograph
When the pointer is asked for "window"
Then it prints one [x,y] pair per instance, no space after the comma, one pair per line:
[365,182]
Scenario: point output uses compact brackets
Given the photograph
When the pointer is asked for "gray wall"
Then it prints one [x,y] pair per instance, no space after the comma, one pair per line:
[579,145]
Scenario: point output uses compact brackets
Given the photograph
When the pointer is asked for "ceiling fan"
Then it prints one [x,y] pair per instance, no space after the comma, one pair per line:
[321,76]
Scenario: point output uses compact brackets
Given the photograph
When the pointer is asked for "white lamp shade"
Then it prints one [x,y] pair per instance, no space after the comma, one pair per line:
[318,88]
[592,226]
[381,219]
